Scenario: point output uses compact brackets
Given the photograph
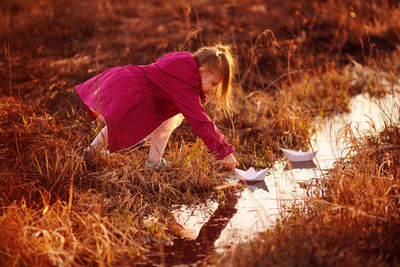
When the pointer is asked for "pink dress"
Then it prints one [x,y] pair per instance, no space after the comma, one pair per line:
[136,99]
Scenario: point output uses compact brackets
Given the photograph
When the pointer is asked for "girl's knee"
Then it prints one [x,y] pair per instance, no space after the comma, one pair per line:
[176,121]
[172,123]
[167,127]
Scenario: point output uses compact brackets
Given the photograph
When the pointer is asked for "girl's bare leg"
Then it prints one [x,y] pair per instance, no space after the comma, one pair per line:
[160,137]
[100,141]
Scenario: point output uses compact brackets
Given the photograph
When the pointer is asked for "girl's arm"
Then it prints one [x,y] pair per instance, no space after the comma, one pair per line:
[188,103]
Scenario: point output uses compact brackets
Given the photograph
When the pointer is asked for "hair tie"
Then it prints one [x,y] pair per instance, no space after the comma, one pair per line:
[218,53]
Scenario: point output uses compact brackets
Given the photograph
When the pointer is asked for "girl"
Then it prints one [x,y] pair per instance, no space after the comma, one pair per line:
[148,101]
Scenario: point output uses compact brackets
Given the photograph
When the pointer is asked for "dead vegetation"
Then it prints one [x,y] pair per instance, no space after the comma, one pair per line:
[57,208]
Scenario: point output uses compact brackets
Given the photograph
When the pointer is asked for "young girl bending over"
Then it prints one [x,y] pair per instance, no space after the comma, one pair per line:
[150,101]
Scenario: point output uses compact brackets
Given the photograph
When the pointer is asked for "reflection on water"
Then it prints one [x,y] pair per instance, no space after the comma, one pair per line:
[188,251]
[291,165]
[222,224]
[253,186]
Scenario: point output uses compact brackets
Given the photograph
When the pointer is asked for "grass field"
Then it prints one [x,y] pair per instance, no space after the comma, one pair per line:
[296,65]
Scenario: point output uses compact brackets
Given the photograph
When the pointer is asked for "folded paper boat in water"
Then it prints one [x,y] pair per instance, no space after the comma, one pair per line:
[293,155]
[251,175]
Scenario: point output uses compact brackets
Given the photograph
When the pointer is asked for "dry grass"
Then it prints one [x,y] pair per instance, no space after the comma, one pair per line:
[57,208]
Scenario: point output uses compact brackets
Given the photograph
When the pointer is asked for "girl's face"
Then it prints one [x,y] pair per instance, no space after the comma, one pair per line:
[209,80]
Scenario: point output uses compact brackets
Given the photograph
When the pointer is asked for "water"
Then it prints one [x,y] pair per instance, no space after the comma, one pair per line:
[216,226]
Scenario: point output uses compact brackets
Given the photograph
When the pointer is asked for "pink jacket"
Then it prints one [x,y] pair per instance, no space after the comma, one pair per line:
[136,100]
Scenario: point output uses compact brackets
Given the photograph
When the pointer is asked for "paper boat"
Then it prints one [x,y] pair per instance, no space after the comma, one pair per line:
[251,175]
[293,155]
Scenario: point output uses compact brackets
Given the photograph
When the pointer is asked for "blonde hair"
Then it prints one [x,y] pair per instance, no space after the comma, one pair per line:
[219,58]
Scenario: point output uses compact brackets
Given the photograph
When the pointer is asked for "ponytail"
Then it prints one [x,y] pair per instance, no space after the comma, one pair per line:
[219,58]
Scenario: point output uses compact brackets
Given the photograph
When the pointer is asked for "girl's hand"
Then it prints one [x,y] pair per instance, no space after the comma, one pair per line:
[230,162]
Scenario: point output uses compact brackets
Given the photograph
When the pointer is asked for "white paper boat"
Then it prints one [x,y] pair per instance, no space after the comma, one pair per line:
[251,175]
[293,155]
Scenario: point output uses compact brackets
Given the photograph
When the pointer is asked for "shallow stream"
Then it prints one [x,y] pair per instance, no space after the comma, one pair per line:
[216,226]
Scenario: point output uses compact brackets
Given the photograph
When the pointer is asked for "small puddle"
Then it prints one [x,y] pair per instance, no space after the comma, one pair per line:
[216,226]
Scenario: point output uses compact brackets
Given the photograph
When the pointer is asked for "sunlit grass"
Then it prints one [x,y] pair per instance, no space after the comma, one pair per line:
[57,208]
